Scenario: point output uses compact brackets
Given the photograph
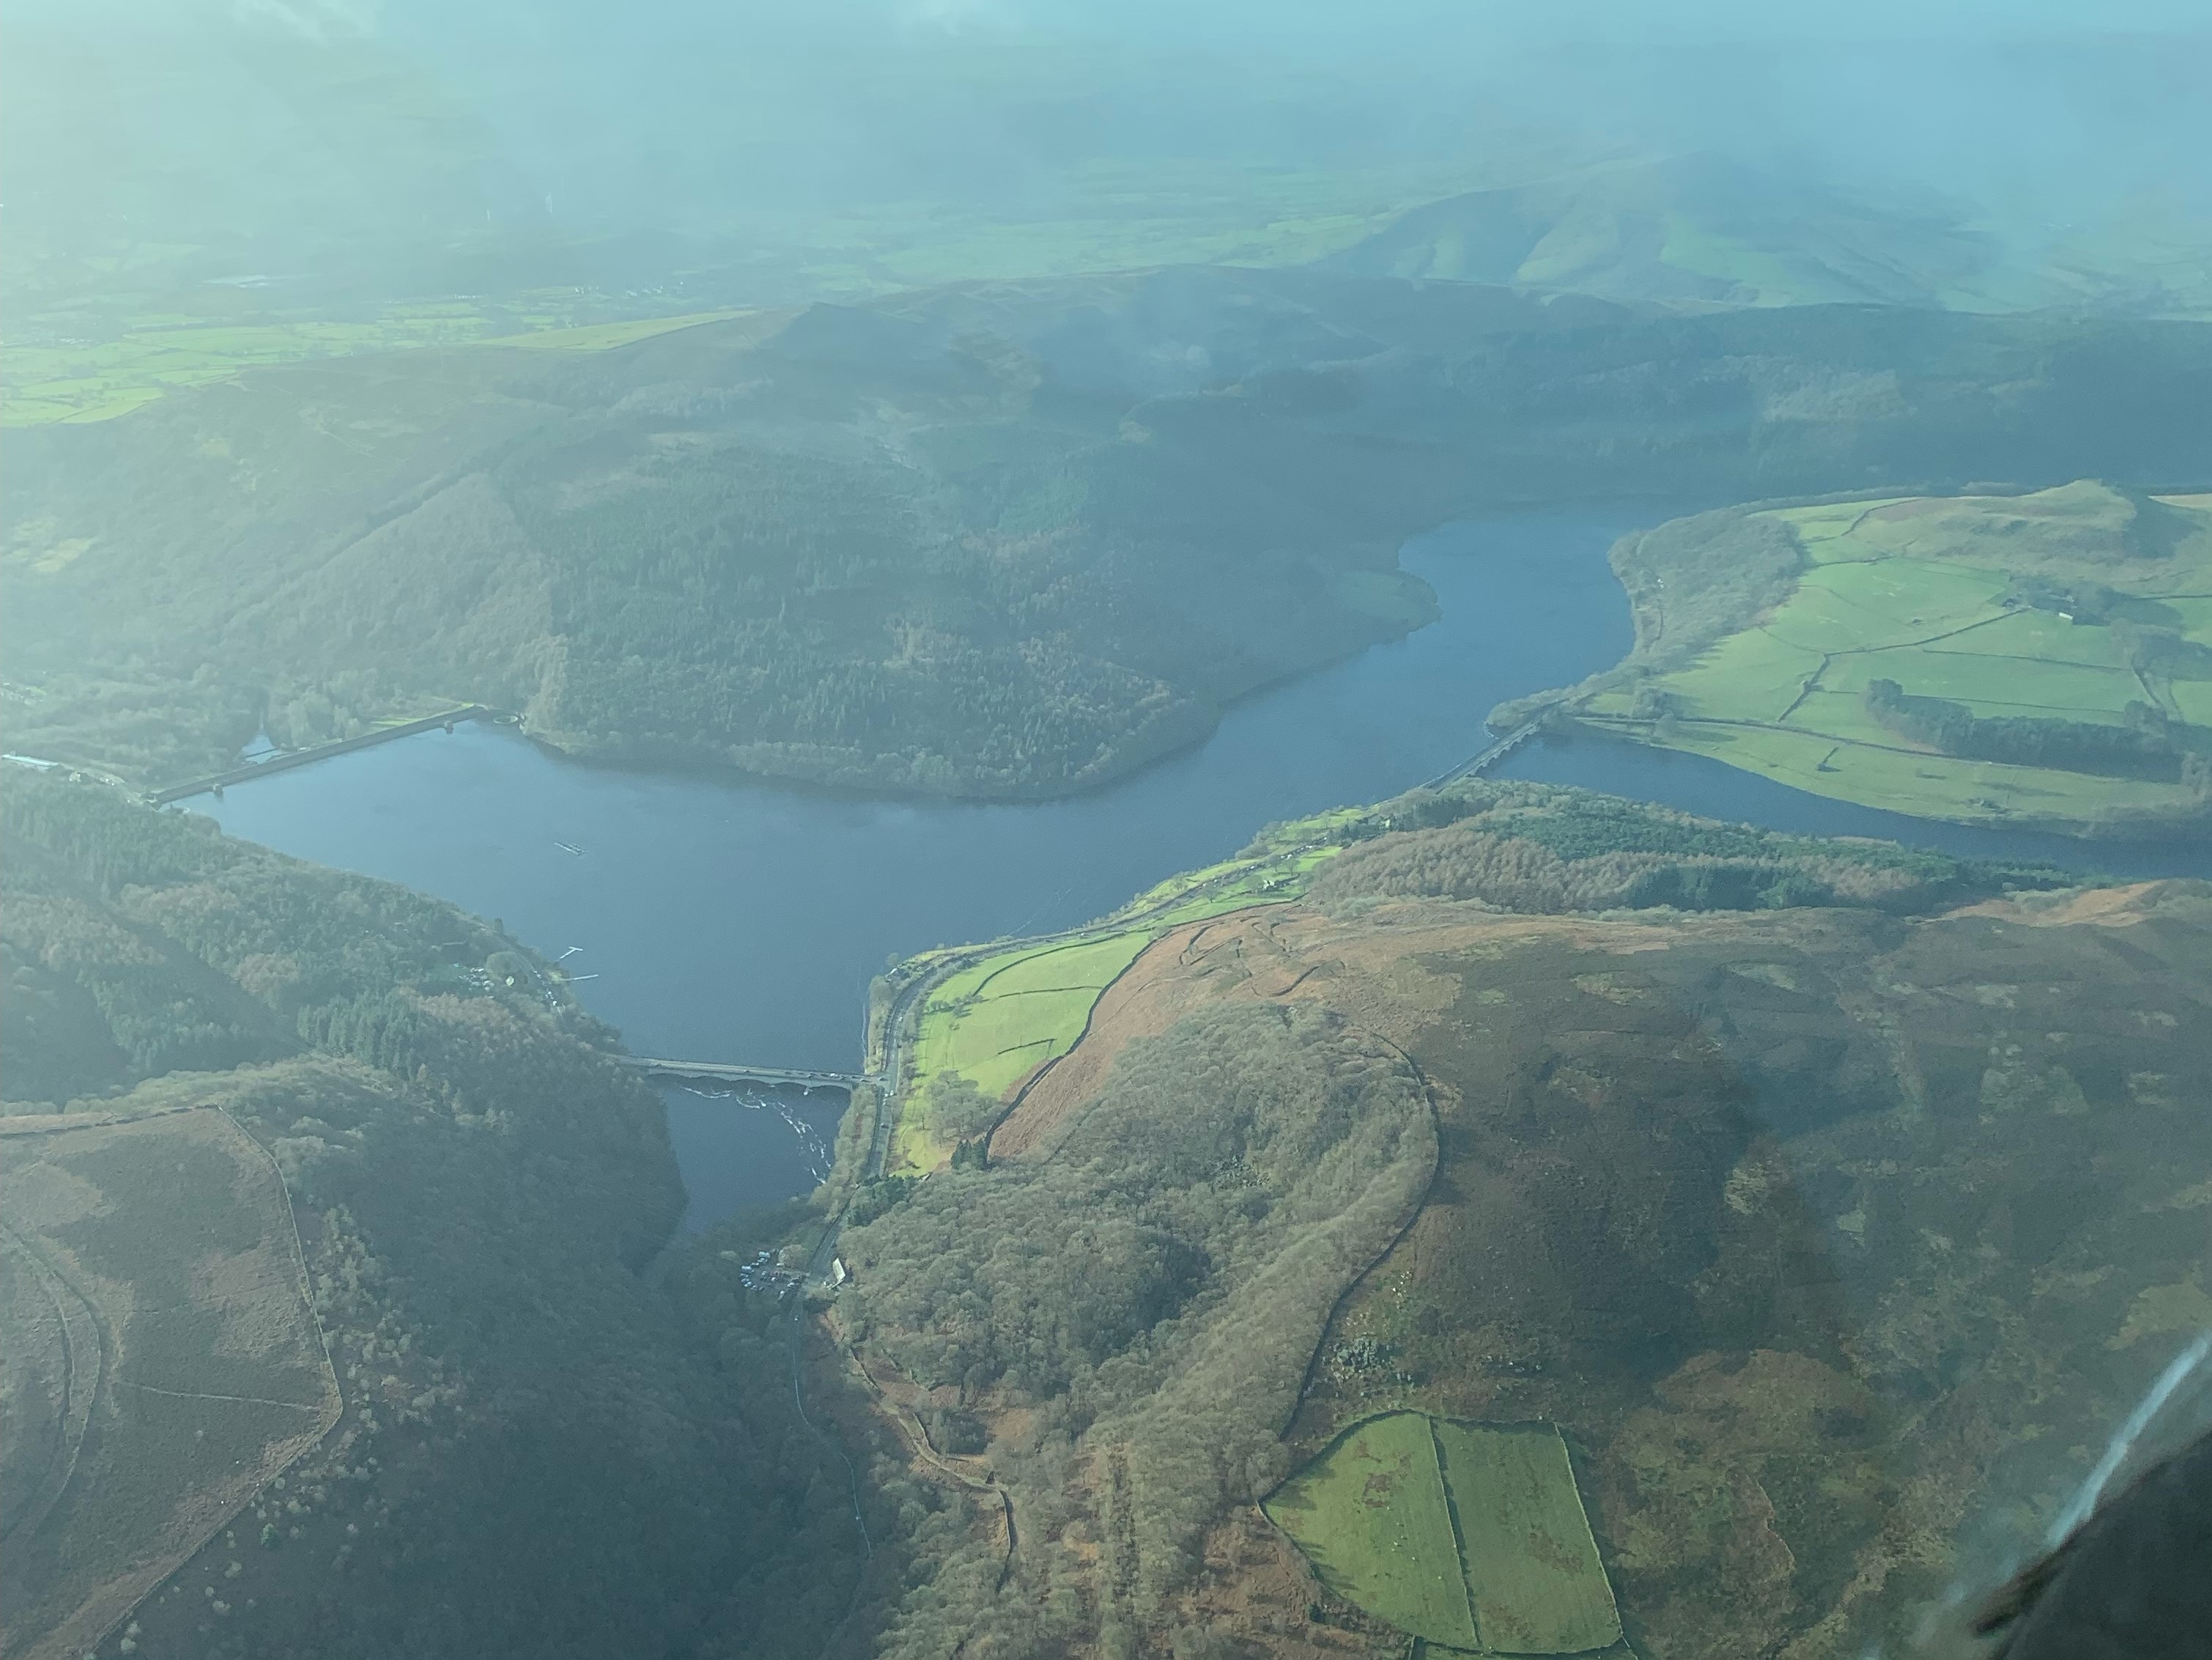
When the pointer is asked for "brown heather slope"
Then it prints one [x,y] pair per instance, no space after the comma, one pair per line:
[163,1361]
[1838,1243]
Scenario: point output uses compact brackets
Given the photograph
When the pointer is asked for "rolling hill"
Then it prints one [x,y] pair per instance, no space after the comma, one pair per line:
[320,1289]
[1551,1217]
[1702,230]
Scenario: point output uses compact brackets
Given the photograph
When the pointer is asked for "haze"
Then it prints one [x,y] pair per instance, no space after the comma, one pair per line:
[277,137]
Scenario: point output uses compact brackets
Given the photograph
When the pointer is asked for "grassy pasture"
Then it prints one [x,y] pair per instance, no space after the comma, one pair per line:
[1372,1515]
[996,1019]
[133,349]
[1471,1536]
[604,337]
[1821,528]
[1115,214]
[163,1359]
[1756,671]
[1914,781]
[1991,682]
[1006,1013]
[1926,592]
[1531,1566]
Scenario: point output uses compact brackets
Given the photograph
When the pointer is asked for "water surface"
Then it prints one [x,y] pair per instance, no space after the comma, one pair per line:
[722,919]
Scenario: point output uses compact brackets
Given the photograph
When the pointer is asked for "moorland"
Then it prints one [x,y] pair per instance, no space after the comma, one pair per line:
[1688,1146]
[1700,230]
[2040,659]
[1803,1188]
[163,1367]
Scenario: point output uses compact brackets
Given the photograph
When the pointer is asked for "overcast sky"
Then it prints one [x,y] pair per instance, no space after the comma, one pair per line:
[610,113]
[2072,100]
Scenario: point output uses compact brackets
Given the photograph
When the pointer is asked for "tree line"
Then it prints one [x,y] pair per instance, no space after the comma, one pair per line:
[2146,744]
[1547,849]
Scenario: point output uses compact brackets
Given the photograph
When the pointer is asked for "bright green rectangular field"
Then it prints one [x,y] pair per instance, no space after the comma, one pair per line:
[1532,1565]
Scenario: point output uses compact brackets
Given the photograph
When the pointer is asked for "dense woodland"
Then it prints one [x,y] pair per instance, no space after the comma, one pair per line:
[1544,849]
[542,1453]
[981,540]
[2147,745]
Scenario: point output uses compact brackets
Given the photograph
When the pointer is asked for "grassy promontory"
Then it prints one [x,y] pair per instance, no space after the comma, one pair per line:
[2041,660]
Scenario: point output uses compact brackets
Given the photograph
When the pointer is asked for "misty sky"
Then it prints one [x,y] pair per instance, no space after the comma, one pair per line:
[276,118]
[2010,99]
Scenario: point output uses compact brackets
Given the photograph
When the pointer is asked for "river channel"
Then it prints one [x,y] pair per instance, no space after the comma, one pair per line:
[721,919]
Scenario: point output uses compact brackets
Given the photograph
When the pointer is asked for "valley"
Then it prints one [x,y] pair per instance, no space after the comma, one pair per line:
[990,541]
[1102,833]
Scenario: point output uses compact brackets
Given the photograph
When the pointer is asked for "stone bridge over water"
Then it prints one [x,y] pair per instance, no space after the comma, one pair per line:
[736,1072]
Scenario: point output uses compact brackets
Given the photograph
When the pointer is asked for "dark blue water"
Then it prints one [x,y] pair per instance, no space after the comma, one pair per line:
[737,921]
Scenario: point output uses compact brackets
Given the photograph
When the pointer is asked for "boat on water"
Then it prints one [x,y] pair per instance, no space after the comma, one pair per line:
[568,847]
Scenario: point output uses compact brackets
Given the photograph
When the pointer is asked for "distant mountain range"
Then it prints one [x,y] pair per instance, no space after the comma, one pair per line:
[1705,230]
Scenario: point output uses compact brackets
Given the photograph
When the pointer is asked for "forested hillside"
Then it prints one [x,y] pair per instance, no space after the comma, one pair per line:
[534,1455]
[997,539]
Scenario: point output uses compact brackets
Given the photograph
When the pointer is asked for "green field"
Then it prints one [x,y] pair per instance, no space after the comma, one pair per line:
[1532,1565]
[994,1020]
[998,1021]
[1966,599]
[1471,1536]
[1115,217]
[1372,1515]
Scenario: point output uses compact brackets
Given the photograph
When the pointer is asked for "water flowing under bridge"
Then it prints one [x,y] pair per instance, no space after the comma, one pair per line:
[1475,765]
[734,1072]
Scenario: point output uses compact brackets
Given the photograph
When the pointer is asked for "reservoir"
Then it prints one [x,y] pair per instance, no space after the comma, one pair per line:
[730,920]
